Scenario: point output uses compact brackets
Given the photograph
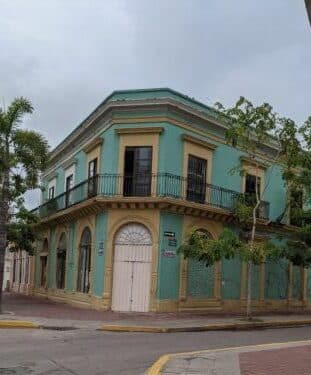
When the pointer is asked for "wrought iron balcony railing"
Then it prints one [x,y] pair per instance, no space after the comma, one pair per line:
[148,185]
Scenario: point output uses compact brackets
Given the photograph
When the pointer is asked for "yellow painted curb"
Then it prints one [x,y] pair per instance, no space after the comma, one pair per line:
[121,328]
[157,367]
[208,327]
[17,324]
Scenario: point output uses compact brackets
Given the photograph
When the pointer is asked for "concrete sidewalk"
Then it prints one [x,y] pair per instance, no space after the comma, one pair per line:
[277,359]
[27,310]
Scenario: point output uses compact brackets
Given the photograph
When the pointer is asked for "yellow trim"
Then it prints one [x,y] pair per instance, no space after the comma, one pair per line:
[17,324]
[59,231]
[116,219]
[146,130]
[87,221]
[91,145]
[199,142]
[215,229]
[184,125]
[157,367]
[254,163]
[200,151]
[140,140]
[255,170]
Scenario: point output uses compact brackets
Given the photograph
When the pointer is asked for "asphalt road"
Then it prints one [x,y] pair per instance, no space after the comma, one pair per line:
[86,352]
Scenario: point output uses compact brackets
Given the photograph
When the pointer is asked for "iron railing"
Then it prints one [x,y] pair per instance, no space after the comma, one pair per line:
[149,185]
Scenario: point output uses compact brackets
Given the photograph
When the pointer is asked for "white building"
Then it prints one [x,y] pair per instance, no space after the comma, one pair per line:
[21,272]
[7,270]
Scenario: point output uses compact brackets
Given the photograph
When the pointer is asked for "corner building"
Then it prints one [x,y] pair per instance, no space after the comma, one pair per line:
[122,191]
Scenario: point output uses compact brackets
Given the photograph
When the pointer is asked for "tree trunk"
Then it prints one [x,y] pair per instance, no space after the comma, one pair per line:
[250,265]
[4,209]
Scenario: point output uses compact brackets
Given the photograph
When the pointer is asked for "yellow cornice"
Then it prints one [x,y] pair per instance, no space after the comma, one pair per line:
[197,141]
[256,163]
[91,145]
[145,130]
[157,119]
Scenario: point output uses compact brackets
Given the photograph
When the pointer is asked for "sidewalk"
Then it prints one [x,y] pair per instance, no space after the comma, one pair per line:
[277,359]
[43,312]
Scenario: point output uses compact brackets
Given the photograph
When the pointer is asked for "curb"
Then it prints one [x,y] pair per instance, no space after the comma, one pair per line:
[209,327]
[17,324]
[157,367]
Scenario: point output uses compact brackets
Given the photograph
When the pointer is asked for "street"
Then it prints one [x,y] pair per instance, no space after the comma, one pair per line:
[93,352]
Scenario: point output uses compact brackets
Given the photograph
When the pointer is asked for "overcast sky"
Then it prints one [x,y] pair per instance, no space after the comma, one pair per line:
[66,56]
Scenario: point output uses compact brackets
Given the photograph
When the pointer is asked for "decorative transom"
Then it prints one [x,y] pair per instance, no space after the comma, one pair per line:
[133,234]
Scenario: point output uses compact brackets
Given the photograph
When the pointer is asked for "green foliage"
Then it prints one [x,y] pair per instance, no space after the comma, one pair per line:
[21,231]
[23,153]
[23,156]
[229,245]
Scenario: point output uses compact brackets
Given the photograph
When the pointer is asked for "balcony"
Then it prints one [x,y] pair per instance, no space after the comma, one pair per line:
[160,186]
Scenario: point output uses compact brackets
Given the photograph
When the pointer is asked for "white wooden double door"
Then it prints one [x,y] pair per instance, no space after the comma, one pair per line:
[132,269]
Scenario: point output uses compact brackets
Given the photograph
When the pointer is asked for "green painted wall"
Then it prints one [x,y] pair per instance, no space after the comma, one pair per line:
[200,280]
[231,282]
[60,181]
[100,247]
[276,280]
[297,283]
[275,192]
[52,259]
[255,282]
[80,167]
[70,282]
[168,267]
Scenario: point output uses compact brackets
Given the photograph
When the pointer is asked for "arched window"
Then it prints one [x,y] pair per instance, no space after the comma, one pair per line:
[43,263]
[61,262]
[84,264]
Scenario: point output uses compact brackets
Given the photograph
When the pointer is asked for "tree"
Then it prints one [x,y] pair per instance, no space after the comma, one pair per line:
[23,155]
[249,128]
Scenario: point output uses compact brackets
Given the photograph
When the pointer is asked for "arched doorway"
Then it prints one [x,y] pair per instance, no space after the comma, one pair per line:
[43,263]
[132,268]
[84,263]
[61,262]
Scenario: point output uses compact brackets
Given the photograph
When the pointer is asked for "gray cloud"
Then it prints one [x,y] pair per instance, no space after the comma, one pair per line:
[66,56]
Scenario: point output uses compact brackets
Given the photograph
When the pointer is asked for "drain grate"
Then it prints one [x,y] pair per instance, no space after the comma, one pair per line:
[55,328]
[19,370]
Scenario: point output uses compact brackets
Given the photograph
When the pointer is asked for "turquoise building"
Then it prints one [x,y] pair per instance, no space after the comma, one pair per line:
[123,190]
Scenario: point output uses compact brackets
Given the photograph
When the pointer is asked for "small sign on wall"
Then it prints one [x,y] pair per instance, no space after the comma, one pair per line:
[168,253]
[100,248]
[169,234]
[172,242]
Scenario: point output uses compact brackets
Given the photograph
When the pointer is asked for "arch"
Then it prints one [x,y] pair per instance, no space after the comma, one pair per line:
[43,263]
[61,253]
[133,233]
[132,268]
[84,262]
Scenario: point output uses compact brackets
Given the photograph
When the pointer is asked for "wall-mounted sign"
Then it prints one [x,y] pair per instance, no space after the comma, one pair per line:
[172,242]
[168,253]
[169,234]
[100,248]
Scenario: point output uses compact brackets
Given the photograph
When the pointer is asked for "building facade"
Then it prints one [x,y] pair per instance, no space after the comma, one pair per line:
[21,273]
[123,190]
